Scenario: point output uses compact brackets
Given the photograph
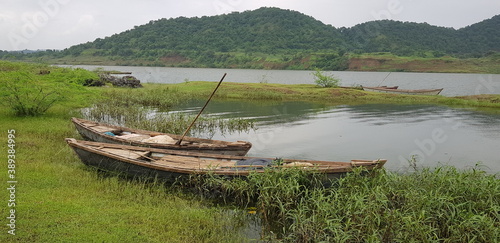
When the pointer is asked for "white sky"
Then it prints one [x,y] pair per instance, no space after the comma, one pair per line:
[59,24]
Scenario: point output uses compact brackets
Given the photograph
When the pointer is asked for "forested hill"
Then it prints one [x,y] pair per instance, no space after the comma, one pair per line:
[280,38]
[263,30]
[274,30]
[404,38]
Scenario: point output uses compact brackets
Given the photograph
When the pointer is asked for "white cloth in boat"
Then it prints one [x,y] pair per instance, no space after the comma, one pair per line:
[160,139]
[148,139]
[134,137]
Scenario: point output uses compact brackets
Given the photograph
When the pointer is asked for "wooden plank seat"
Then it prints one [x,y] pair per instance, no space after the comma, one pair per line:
[127,153]
[193,162]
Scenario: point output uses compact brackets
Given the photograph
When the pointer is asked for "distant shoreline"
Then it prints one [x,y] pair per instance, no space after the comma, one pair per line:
[378,62]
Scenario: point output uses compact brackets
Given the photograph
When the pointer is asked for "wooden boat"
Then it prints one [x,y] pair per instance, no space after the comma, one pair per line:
[389,87]
[107,133]
[169,165]
[404,91]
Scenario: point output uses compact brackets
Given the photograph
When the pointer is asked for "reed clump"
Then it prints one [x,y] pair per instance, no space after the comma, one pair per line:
[149,108]
[442,204]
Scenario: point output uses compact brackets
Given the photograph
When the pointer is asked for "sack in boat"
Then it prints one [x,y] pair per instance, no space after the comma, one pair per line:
[301,164]
[160,139]
[134,137]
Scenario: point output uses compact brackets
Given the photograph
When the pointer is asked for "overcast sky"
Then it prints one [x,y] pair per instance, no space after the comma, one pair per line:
[59,24]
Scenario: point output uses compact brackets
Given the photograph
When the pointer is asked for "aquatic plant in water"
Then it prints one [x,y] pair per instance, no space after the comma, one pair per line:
[150,112]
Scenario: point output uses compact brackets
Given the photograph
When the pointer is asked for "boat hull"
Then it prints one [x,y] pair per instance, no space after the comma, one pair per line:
[239,148]
[404,91]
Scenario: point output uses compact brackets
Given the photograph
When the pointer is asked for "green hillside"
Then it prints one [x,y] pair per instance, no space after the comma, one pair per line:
[481,37]
[273,38]
[402,38]
[406,38]
[268,30]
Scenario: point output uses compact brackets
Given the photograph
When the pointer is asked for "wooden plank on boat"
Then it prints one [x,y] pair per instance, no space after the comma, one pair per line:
[126,153]
[192,162]
[103,129]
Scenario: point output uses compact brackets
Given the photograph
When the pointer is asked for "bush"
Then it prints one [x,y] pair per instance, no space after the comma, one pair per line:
[31,89]
[325,81]
[26,95]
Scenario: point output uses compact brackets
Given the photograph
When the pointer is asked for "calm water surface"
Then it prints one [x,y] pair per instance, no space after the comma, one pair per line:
[434,134]
[454,84]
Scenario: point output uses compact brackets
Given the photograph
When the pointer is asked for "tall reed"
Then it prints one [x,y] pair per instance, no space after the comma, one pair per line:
[148,109]
[442,204]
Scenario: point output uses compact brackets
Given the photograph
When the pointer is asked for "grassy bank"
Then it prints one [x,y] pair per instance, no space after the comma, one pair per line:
[307,92]
[58,199]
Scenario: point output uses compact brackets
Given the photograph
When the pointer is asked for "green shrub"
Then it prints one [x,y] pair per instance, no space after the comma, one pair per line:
[26,95]
[31,89]
[324,80]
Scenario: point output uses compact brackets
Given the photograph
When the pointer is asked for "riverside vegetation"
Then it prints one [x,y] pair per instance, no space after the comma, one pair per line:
[63,200]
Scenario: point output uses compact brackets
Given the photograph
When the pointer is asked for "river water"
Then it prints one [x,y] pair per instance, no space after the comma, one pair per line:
[427,134]
[454,84]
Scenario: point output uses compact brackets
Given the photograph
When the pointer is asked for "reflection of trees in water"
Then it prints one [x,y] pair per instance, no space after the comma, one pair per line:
[385,114]
[265,113]
[381,114]
[298,112]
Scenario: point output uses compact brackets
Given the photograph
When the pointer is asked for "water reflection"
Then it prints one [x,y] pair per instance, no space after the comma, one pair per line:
[265,113]
[383,114]
[435,134]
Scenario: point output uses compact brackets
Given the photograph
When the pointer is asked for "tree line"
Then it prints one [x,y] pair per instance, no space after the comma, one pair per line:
[238,37]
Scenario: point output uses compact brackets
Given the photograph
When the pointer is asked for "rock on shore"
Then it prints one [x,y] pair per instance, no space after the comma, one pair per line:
[125,81]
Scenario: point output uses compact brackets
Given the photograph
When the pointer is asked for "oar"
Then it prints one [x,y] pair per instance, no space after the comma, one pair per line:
[209,98]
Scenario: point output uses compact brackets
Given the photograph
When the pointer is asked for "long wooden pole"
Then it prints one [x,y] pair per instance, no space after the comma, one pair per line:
[385,78]
[192,123]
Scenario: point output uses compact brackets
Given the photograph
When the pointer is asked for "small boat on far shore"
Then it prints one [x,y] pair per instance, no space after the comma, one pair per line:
[403,91]
[107,133]
[389,87]
[169,165]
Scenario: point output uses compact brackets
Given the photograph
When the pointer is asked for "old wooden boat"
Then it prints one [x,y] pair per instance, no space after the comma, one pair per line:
[404,91]
[170,165]
[107,133]
[389,87]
